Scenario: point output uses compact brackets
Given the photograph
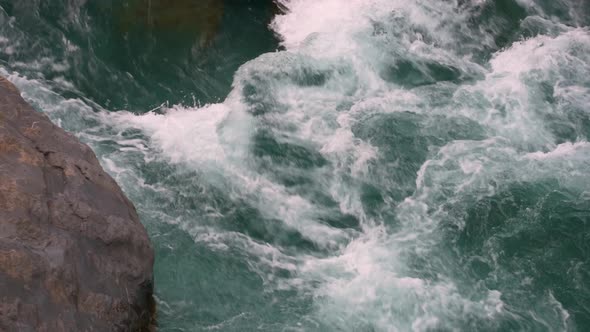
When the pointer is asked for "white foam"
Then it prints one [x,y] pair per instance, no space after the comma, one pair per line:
[539,53]
[184,135]
[514,107]
[563,150]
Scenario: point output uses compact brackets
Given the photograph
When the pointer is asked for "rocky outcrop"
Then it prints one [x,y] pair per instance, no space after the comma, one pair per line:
[73,253]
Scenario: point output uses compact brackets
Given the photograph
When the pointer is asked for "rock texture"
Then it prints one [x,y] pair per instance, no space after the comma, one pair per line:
[73,254]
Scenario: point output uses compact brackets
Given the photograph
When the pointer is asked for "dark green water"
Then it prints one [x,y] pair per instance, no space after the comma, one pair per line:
[398,165]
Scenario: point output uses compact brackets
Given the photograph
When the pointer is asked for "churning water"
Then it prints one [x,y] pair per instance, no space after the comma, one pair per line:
[398,165]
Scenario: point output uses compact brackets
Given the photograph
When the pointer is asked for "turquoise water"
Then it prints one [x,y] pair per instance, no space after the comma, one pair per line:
[359,165]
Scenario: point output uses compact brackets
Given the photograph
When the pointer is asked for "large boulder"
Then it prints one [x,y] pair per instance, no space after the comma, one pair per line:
[73,253]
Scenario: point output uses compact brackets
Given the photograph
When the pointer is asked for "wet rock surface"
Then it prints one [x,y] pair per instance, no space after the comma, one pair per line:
[73,253]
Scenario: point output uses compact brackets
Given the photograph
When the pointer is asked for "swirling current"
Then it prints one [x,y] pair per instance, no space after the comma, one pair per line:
[335,165]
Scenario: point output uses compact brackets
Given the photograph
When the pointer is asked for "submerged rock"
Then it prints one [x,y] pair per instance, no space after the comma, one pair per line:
[73,253]
[193,18]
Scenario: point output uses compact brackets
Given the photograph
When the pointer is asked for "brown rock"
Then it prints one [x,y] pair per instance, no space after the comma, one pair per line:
[73,254]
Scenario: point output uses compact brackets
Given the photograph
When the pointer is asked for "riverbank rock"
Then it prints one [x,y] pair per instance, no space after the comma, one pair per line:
[73,253]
